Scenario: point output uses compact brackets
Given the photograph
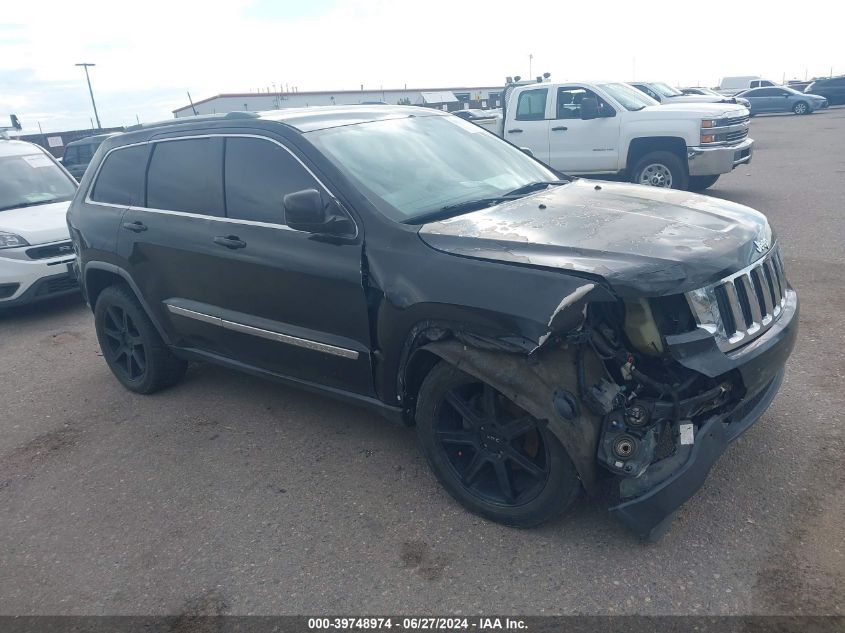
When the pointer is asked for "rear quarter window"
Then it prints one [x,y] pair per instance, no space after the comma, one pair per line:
[121,178]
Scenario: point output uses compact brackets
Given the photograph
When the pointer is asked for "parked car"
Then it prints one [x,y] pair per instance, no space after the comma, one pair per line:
[537,330]
[35,250]
[782,99]
[735,85]
[613,129]
[78,154]
[832,89]
[798,85]
[709,92]
[664,93]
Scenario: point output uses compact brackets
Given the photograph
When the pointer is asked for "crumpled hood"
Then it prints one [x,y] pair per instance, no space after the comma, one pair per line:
[39,224]
[642,241]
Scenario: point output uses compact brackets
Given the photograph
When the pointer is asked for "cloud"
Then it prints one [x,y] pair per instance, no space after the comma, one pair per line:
[149,55]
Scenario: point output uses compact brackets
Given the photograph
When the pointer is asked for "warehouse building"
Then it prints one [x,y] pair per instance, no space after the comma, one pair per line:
[449,99]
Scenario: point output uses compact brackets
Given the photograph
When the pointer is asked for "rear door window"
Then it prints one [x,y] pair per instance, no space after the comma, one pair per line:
[259,173]
[532,105]
[187,175]
[121,178]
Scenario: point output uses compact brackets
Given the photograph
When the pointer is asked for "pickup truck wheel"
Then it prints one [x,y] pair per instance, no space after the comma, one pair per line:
[801,108]
[660,169]
[700,183]
[489,454]
[132,347]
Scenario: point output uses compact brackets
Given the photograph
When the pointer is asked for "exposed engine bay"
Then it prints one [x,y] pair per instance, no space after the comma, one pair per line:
[650,405]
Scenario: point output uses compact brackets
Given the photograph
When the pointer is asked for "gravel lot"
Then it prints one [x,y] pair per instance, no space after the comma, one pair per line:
[232,495]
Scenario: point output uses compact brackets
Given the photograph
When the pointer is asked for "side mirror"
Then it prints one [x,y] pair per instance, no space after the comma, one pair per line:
[589,108]
[306,211]
[527,150]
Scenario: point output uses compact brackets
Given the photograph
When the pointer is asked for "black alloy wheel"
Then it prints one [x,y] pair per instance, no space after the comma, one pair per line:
[131,345]
[124,344]
[490,454]
[497,451]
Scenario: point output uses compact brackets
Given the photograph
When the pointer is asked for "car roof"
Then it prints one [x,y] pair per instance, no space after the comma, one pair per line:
[97,138]
[301,119]
[18,148]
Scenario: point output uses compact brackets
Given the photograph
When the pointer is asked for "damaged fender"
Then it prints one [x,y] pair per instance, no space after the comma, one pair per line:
[531,383]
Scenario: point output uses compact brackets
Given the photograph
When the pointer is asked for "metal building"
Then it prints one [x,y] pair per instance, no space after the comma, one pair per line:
[450,99]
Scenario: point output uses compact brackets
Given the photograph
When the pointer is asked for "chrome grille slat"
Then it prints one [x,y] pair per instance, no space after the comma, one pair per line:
[761,285]
[743,305]
[771,276]
[736,308]
[738,135]
[751,297]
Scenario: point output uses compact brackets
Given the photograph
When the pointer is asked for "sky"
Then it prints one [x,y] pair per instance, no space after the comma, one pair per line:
[149,54]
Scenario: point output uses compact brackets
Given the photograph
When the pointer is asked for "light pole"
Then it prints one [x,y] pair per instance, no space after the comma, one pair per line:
[91,92]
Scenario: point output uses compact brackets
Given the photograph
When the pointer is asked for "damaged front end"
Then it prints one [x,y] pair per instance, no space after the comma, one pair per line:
[642,389]
[673,397]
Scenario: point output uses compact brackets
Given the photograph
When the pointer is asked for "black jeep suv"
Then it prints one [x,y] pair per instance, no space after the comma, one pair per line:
[539,331]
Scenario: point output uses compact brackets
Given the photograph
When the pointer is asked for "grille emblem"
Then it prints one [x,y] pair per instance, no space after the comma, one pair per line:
[762,245]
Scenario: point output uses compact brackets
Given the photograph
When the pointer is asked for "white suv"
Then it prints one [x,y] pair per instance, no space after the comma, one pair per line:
[36,256]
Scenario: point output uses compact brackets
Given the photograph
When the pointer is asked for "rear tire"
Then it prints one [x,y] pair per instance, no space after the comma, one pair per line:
[801,108]
[700,183]
[131,345]
[490,455]
[660,169]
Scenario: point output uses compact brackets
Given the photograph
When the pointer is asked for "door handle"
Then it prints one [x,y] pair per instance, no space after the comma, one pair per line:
[515,131]
[135,227]
[230,241]
[560,128]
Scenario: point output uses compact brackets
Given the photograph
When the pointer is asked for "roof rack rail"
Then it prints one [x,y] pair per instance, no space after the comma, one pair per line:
[237,114]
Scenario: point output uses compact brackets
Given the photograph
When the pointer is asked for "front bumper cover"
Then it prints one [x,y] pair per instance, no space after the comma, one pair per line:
[651,514]
[710,161]
[669,483]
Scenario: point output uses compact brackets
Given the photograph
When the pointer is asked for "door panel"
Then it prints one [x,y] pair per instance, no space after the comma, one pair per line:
[579,146]
[171,257]
[308,291]
[296,299]
[530,125]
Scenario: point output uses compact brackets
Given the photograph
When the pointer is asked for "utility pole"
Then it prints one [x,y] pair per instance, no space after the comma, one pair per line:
[530,64]
[91,92]
[191,101]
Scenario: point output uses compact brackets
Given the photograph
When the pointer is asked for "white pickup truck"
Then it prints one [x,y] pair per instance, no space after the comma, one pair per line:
[606,129]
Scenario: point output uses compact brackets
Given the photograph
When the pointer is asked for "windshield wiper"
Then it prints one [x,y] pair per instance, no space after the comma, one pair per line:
[535,186]
[451,210]
[23,205]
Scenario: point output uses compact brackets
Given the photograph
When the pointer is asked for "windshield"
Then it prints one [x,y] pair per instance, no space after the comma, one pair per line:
[629,97]
[31,179]
[665,90]
[416,165]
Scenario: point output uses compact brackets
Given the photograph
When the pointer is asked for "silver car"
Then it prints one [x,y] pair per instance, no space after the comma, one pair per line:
[782,99]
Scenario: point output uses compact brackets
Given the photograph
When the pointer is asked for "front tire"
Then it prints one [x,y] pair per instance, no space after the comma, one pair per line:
[494,458]
[801,108]
[131,345]
[700,183]
[660,169]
